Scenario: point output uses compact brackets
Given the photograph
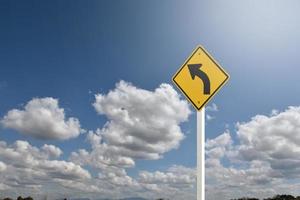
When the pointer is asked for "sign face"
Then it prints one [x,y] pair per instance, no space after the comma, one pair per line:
[200,77]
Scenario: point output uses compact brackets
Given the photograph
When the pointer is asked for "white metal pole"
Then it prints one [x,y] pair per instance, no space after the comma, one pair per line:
[201,154]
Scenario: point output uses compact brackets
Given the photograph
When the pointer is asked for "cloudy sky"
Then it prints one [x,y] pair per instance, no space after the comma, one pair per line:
[88,108]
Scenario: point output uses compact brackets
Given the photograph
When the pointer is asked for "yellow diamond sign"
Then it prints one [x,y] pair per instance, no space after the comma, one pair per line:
[200,77]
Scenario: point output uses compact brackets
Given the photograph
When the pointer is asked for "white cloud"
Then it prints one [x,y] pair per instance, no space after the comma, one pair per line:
[103,156]
[30,167]
[142,124]
[263,162]
[232,180]
[212,108]
[209,117]
[177,182]
[42,118]
[220,141]
[117,177]
[52,151]
[274,139]
[63,170]
[274,112]
[2,166]
[176,175]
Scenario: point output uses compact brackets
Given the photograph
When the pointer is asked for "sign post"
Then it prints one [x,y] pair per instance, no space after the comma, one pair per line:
[201,154]
[199,79]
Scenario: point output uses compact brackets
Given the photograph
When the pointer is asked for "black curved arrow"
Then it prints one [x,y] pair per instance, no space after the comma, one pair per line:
[195,71]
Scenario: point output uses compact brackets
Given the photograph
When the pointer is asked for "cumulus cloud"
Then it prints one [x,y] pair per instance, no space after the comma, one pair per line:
[177,182]
[63,170]
[142,123]
[264,160]
[273,139]
[42,118]
[220,141]
[27,166]
[103,156]
[52,151]
[117,177]
[2,166]
[176,175]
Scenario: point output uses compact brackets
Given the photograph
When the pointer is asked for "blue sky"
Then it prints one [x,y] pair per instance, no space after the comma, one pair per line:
[72,50]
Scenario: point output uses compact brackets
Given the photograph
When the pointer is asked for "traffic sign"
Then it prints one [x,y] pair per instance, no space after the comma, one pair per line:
[200,77]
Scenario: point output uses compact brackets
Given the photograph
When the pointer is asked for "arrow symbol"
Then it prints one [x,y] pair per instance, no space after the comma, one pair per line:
[195,71]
